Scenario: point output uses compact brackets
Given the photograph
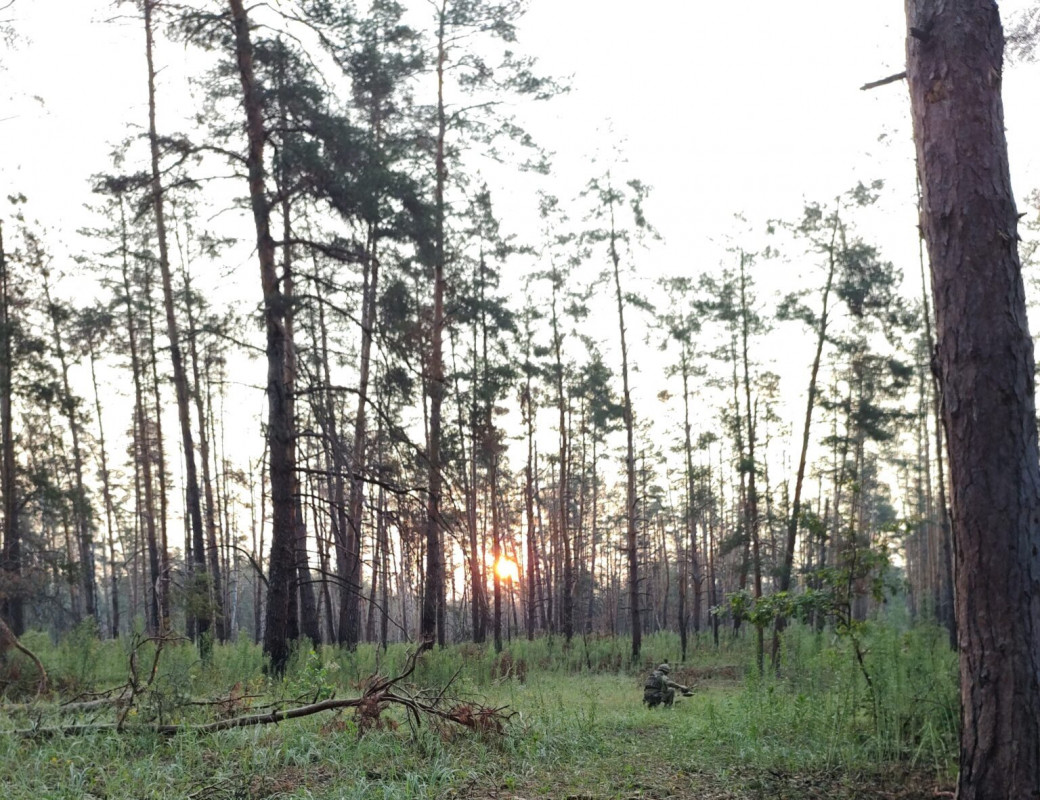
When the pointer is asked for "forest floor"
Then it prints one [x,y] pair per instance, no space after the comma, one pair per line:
[629,753]
[570,736]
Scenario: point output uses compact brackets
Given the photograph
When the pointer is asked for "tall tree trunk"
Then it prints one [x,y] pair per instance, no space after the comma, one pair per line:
[478,587]
[692,510]
[306,599]
[80,507]
[220,621]
[563,494]
[631,500]
[593,534]
[984,358]
[532,550]
[106,493]
[433,607]
[204,587]
[350,609]
[496,540]
[12,605]
[787,567]
[161,477]
[145,485]
[325,410]
[282,622]
[688,560]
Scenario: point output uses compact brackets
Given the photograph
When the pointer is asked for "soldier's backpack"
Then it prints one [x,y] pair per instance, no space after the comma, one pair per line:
[653,689]
[655,682]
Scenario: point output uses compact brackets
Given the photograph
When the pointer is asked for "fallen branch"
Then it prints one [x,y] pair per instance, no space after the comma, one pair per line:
[8,640]
[379,693]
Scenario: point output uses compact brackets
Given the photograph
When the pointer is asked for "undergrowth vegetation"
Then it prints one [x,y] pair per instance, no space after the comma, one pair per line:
[820,726]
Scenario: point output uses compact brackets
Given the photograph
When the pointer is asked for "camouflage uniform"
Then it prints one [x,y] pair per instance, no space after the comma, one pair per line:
[659,688]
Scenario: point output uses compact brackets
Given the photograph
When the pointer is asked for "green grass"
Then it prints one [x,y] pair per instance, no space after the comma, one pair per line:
[578,728]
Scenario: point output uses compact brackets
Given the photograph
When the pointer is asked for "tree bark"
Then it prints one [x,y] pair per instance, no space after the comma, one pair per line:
[984,358]
[282,621]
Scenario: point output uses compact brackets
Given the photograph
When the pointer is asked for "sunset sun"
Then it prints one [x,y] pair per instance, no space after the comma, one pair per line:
[507,569]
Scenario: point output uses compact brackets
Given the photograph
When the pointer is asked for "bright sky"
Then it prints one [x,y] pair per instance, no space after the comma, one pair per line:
[725,107]
[730,107]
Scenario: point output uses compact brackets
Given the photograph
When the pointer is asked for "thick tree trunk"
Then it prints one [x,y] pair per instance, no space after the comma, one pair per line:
[282,620]
[943,566]
[984,358]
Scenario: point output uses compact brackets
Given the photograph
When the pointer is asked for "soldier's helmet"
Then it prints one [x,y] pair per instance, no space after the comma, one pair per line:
[664,668]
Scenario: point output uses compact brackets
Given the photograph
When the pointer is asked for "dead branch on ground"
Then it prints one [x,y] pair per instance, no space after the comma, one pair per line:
[378,694]
[9,640]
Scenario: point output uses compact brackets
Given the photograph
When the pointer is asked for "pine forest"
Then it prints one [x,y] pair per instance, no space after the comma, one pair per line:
[508,419]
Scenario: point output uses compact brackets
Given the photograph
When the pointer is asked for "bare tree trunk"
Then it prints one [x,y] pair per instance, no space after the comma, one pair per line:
[350,609]
[306,600]
[984,359]
[593,535]
[106,493]
[432,625]
[11,606]
[532,550]
[563,494]
[325,410]
[162,581]
[631,500]
[143,451]
[282,621]
[80,507]
[220,621]
[787,567]
[204,585]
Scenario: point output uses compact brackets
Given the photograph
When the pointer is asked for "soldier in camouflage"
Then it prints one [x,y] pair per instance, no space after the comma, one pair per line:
[660,689]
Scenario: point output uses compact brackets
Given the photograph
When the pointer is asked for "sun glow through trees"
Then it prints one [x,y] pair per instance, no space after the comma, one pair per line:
[507,569]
